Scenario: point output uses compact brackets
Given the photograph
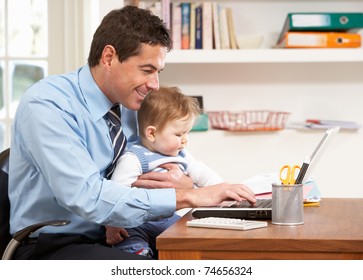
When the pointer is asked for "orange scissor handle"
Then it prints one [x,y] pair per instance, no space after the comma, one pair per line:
[288,174]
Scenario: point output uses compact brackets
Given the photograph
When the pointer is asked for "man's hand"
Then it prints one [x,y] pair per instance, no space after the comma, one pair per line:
[115,235]
[172,178]
[213,195]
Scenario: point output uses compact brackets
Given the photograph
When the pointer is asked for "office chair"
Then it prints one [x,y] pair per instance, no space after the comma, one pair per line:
[8,243]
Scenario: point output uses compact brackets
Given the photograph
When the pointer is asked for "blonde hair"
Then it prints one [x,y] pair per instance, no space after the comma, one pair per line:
[166,104]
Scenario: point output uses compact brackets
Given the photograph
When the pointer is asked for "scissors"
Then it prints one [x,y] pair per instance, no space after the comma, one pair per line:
[287,174]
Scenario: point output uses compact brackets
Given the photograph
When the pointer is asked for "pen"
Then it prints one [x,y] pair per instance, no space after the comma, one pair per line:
[302,172]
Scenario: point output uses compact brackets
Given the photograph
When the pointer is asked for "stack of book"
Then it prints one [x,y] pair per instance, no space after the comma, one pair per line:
[195,25]
[321,30]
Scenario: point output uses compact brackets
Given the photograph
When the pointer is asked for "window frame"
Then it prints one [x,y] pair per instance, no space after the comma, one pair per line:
[69,38]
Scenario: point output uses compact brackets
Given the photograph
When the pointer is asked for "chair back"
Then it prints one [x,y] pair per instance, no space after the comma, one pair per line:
[5,236]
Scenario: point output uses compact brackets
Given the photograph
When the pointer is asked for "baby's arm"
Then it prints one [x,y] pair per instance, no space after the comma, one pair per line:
[200,173]
[128,169]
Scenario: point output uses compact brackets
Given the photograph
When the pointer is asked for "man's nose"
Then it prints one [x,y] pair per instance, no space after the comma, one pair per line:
[153,82]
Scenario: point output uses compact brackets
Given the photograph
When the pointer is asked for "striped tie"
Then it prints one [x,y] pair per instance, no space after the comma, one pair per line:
[117,136]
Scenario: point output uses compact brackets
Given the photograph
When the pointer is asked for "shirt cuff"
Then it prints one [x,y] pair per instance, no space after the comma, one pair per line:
[163,203]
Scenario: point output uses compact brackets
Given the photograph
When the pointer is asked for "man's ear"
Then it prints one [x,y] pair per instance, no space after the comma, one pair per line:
[108,54]
[150,133]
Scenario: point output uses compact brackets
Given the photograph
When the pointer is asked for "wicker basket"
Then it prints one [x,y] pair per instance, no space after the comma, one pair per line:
[260,120]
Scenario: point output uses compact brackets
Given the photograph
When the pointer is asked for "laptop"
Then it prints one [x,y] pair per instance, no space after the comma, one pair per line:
[262,210]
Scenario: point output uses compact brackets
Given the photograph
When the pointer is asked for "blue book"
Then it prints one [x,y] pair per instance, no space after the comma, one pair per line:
[199,27]
[185,34]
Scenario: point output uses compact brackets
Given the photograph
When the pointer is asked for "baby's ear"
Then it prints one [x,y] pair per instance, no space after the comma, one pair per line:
[150,133]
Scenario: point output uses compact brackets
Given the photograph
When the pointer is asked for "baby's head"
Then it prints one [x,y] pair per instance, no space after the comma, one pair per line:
[165,118]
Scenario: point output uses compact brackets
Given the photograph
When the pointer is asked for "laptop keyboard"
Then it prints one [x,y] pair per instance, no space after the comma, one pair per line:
[261,203]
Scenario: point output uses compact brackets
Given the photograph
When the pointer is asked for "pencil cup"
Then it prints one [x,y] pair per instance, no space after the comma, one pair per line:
[287,204]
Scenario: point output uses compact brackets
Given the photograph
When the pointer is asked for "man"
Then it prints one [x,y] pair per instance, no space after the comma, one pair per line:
[61,147]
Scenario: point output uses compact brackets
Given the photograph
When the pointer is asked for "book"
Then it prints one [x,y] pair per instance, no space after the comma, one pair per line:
[192,26]
[165,12]
[322,22]
[215,23]
[207,26]
[320,40]
[133,3]
[155,8]
[137,3]
[198,27]
[142,5]
[176,26]
[231,31]
[225,43]
[185,25]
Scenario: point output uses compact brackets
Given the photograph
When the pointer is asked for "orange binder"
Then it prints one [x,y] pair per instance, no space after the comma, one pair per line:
[303,39]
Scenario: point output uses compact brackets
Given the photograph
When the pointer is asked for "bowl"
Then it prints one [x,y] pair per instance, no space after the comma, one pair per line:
[249,41]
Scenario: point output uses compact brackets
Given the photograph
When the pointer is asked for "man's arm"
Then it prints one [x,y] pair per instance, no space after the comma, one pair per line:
[213,195]
[186,195]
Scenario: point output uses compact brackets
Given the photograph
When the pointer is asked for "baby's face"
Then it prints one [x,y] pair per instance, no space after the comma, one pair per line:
[173,137]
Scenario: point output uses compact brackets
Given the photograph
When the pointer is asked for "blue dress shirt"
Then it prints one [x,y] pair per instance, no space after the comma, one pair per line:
[60,150]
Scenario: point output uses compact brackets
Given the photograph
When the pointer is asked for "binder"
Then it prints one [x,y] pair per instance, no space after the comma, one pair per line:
[320,40]
[322,22]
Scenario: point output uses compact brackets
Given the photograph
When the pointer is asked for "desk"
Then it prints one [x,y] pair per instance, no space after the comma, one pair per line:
[332,231]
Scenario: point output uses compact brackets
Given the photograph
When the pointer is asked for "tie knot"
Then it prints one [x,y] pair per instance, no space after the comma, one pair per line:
[113,115]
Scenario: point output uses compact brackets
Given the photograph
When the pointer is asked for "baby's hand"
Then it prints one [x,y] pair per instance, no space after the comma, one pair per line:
[115,235]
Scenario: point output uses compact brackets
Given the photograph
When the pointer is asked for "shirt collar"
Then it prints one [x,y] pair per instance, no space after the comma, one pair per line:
[96,100]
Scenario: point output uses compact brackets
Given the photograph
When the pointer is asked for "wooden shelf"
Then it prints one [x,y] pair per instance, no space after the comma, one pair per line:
[265,56]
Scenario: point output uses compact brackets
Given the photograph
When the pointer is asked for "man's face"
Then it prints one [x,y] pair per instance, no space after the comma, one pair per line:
[129,82]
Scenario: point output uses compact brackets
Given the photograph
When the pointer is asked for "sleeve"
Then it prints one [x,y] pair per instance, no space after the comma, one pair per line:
[201,174]
[127,170]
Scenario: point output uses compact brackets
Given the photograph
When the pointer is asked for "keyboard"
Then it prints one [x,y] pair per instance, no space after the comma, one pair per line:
[260,203]
[226,223]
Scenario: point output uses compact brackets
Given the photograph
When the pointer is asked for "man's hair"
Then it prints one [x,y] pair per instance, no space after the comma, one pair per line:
[166,104]
[126,29]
